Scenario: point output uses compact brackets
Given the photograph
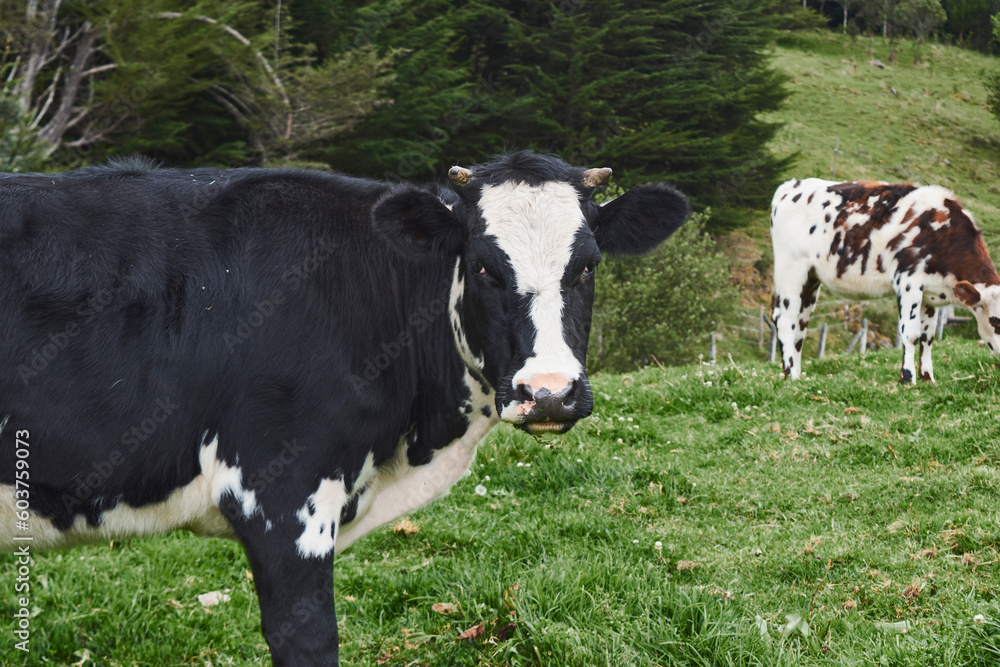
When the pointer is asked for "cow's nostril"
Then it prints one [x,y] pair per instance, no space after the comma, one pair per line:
[569,400]
[524,393]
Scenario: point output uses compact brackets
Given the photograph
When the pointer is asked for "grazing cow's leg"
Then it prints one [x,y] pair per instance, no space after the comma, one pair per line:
[292,569]
[926,366]
[909,297]
[795,294]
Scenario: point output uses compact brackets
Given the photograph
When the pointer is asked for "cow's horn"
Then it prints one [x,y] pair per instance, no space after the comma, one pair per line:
[594,177]
[460,175]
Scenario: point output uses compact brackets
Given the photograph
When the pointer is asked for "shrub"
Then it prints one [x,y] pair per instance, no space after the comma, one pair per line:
[662,304]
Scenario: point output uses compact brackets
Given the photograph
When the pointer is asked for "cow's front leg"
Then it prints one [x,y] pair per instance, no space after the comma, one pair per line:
[909,297]
[293,573]
[926,367]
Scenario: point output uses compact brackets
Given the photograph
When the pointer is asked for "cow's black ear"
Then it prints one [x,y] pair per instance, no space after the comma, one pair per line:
[640,219]
[417,223]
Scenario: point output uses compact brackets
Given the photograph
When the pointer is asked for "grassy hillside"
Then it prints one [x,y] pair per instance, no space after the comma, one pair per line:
[934,128]
[703,516]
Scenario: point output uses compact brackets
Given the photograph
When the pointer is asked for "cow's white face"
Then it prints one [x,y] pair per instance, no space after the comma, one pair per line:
[528,241]
[984,302]
[529,289]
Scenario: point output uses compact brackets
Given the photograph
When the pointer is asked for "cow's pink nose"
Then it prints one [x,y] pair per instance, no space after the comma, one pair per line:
[554,397]
[551,382]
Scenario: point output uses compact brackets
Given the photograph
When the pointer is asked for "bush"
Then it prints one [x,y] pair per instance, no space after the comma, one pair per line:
[662,304]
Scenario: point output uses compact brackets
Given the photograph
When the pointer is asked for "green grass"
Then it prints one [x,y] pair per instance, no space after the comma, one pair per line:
[859,505]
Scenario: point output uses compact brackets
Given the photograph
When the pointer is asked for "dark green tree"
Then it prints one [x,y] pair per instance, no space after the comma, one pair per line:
[657,90]
[196,81]
[921,18]
[969,23]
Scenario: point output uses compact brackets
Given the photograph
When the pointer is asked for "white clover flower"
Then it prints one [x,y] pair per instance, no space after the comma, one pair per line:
[487,478]
[480,490]
[520,464]
[978,619]
[658,545]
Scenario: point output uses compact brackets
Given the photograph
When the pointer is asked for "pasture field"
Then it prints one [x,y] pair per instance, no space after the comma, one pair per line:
[926,124]
[705,515]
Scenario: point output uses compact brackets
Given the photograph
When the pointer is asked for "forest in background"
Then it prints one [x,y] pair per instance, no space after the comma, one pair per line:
[684,91]
[401,89]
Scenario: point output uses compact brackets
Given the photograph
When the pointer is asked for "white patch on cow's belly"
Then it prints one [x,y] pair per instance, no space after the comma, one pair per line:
[193,507]
[399,488]
[321,512]
[320,516]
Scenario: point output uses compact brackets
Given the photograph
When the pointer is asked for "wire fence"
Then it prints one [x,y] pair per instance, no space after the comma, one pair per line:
[850,316]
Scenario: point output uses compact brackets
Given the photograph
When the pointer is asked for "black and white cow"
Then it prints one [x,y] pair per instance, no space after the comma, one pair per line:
[870,239]
[289,358]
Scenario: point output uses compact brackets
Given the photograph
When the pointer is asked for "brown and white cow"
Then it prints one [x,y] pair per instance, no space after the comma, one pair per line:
[870,239]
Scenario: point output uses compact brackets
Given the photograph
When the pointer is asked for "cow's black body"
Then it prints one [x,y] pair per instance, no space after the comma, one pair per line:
[146,313]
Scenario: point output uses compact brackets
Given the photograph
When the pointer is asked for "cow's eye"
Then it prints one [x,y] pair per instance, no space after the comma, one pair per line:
[479,269]
[587,273]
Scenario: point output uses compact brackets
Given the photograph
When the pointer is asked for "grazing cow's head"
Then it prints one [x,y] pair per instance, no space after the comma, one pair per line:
[984,302]
[528,241]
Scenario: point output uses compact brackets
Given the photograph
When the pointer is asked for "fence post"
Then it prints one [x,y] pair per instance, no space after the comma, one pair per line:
[760,329]
[822,341]
[940,323]
[864,337]
[711,347]
[854,341]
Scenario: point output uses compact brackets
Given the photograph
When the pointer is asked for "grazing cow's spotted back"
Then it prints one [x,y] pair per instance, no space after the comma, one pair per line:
[870,239]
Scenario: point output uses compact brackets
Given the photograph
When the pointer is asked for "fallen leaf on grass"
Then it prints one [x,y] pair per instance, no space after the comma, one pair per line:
[383,659]
[851,410]
[810,548]
[913,591]
[473,632]
[84,657]
[405,527]
[212,598]
[444,607]
[761,625]
[795,624]
[926,553]
[687,565]
[901,626]
[504,633]
[850,605]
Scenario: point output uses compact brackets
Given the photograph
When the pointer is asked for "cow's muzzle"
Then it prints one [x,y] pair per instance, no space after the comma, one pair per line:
[548,404]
